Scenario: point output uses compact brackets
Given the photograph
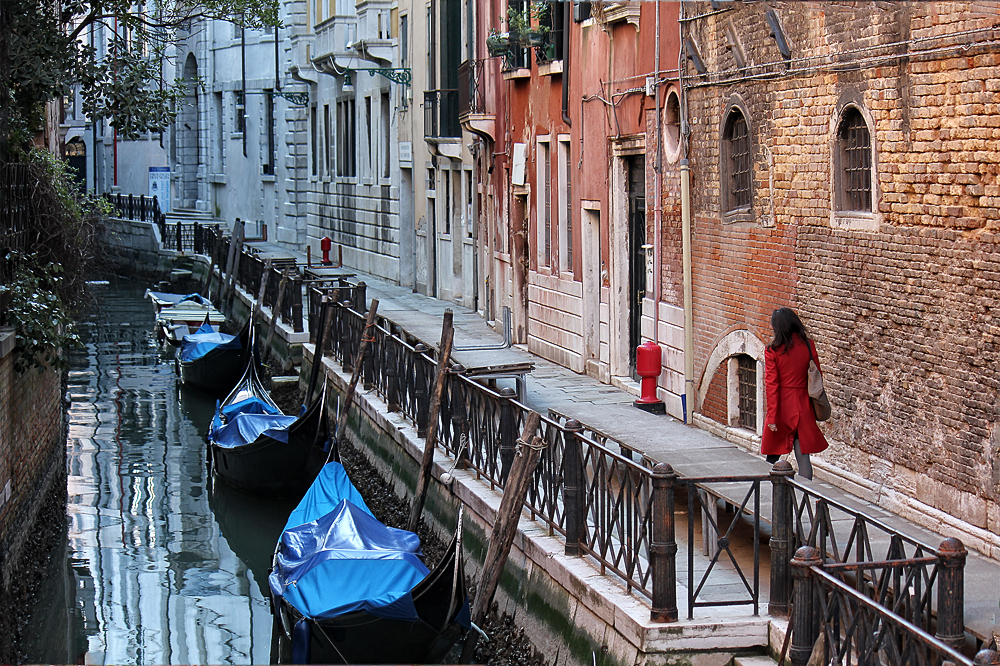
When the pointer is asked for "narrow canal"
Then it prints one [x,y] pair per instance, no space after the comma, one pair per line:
[161,567]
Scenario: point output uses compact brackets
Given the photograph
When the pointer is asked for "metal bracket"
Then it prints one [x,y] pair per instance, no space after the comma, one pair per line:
[397,74]
[296,98]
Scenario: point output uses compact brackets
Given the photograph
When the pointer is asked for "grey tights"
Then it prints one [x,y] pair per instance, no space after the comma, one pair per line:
[802,459]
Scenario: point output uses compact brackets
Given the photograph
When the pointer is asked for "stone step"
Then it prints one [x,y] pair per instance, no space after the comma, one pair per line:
[756,660]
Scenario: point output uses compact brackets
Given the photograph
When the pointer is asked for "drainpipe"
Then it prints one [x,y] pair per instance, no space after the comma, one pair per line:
[688,397]
[658,184]
[567,21]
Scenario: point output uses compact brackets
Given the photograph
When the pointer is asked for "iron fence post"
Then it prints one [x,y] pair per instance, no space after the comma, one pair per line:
[508,433]
[179,230]
[951,593]
[573,475]
[804,623]
[421,393]
[663,548]
[347,358]
[781,538]
[361,298]
[392,375]
[458,413]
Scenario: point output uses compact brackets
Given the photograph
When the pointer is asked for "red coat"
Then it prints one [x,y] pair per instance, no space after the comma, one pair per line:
[786,378]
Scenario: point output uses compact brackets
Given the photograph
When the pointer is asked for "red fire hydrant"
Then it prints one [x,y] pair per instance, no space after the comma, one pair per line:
[324,245]
[648,362]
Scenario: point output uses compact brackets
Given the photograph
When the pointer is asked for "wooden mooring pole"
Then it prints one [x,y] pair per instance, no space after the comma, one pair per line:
[366,339]
[528,452]
[423,479]
[275,313]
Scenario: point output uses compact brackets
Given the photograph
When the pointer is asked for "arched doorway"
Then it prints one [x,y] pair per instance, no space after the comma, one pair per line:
[76,159]
[186,129]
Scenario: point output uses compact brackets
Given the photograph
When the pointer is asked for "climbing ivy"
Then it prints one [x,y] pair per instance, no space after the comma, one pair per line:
[42,323]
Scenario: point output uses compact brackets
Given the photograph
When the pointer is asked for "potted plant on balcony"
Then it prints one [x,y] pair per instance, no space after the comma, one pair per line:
[498,43]
[525,26]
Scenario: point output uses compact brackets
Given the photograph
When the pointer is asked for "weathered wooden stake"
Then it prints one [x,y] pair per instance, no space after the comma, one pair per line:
[505,527]
[275,313]
[417,506]
[208,278]
[230,257]
[260,292]
[366,337]
[326,307]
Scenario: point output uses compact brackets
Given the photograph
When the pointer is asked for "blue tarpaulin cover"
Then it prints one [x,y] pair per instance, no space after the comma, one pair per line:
[204,340]
[164,297]
[336,557]
[247,420]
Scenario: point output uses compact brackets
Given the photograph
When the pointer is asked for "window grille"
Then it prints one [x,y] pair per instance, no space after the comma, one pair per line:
[739,162]
[747,388]
[855,142]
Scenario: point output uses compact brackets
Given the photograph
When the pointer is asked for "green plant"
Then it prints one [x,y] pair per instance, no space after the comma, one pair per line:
[42,324]
[529,26]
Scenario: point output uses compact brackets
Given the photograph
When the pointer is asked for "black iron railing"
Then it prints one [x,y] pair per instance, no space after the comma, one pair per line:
[471,93]
[441,114]
[16,231]
[618,508]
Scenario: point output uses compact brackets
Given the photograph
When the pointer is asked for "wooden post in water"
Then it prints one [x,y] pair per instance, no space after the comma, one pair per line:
[275,313]
[230,256]
[366,337]
[423,479]
[325,310]
[260,293]
[208,278]
[505,528]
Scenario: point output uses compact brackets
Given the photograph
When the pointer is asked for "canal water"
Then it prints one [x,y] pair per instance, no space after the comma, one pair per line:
[161,565]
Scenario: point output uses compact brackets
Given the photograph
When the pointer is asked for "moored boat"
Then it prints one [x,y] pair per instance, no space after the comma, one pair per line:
[214,361]
[178,315]
[260,450]
[347,589]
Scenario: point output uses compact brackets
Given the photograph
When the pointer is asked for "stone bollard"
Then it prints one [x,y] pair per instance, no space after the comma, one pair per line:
[805,620]
[781,538]
[663,549]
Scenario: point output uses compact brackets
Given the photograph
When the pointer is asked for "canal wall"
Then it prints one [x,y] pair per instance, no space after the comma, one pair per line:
[32,488]
[571,612]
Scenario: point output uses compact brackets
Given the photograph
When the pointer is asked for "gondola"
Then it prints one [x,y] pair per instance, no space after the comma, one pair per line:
[346,589]
[213,361]
[258,449]
[178,315]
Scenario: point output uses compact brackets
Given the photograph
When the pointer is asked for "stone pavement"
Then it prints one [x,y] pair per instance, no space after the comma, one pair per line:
[552,389]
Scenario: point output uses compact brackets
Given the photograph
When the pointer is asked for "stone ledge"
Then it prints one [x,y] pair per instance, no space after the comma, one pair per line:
[7,340]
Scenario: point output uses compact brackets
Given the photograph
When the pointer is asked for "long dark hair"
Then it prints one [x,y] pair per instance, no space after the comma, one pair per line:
[785,324]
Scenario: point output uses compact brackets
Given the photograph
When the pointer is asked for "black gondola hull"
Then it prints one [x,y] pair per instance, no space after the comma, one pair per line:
[216,372]
[270,467]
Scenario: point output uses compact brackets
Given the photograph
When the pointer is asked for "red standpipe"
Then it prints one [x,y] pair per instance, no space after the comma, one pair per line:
[648,364]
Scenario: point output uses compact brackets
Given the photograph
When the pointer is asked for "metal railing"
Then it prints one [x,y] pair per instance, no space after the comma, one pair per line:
[16,233]
[441,114]
[471,94]
[619,509]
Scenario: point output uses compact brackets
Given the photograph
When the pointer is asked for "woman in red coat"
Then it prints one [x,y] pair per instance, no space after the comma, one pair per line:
[790,424]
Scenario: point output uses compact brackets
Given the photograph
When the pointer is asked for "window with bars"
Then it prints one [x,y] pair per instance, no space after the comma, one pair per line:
[746,373]
[738,162]
[855,163]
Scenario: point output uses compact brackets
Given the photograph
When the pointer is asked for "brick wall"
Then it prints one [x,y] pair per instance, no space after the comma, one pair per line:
[901,300]
[32,487]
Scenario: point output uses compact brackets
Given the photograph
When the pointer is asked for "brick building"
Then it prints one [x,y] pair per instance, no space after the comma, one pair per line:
[844,162]
[32,486]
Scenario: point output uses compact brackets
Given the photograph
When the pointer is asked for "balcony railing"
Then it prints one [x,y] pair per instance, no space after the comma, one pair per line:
[471,97]
[441,114]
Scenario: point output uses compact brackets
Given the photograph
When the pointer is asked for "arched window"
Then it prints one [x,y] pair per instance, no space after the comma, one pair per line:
[736,163]
[854,172]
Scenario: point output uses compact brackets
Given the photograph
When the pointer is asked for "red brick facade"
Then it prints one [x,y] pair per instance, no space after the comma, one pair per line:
[901,298]
[32,488]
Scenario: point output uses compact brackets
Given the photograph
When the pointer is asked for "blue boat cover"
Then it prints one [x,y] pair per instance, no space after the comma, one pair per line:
[204,340]
[336,557]
[247,420]
[164,297]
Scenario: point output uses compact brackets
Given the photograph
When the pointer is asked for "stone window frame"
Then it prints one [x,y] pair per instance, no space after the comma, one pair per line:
[730,212]
[737,342]
[863,220]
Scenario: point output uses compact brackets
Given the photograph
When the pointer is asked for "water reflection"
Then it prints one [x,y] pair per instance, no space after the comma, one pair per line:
[153,575]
